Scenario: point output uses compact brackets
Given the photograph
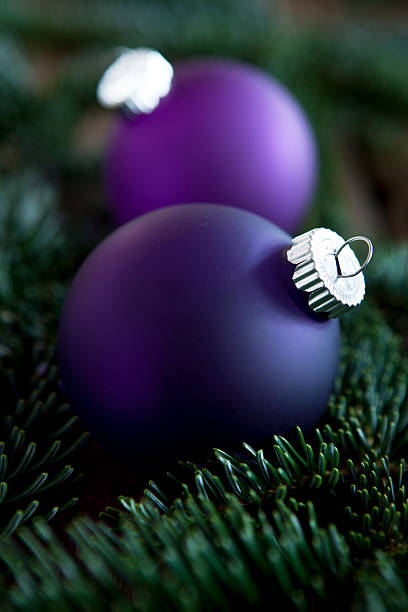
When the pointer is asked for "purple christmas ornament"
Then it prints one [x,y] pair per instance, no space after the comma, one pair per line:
[184,329]
[226,133]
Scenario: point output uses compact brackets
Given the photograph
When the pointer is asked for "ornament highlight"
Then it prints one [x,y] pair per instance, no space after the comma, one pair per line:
[214,130]
[184,329]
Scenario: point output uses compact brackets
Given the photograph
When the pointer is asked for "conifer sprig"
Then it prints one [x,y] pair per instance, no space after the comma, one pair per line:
[38,431]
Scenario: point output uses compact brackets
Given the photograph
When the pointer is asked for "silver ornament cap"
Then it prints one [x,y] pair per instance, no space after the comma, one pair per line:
[136,81]
[328,269]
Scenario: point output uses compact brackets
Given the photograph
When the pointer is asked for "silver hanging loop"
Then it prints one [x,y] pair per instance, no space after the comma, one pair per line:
[368,258]
[315,255]
[136,81]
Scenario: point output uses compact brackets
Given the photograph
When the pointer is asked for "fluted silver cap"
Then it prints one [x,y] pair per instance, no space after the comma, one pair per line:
[328,269]
[135,81]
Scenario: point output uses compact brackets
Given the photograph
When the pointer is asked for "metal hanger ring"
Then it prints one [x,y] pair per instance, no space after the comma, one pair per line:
[368,258]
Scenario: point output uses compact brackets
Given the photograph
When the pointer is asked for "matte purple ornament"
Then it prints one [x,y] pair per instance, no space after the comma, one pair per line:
[183,329]
[226,133]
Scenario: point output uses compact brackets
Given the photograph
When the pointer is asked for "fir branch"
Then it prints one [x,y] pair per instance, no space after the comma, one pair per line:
[247,519]
[370,401]
[381,585]
[36,431]
[28,448]
[224,562]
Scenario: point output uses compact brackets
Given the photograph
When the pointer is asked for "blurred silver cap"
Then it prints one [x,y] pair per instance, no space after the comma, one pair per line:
[328,269]
[136,81]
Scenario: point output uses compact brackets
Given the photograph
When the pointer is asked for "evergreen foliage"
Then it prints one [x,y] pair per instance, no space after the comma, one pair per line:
[310,521]
[36,423]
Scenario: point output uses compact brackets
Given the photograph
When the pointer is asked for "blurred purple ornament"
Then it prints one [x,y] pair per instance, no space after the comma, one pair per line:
[226,133]
[184,329]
